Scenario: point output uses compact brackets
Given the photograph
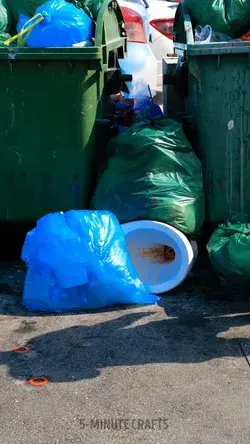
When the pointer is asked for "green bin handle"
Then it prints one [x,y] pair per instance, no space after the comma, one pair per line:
[183,28]
[100,21]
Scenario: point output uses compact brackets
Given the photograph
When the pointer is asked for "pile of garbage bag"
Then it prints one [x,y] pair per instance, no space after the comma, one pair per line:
[152,173]
[77,261]
[55,23]
[62,25]
[230,17]
[229,252]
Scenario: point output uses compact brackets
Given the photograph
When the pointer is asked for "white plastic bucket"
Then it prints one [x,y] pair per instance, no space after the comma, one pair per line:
[162,255]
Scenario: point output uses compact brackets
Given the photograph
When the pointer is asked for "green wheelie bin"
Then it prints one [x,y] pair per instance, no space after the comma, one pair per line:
[50,100]
[218,97]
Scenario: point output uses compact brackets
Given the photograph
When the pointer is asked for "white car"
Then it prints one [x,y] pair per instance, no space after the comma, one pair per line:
[162,14]
[140,61]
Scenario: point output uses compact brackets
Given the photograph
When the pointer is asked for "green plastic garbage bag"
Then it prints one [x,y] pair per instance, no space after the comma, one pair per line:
[231,17]
[229,252]
[26,7]
[5,21]
[153,173]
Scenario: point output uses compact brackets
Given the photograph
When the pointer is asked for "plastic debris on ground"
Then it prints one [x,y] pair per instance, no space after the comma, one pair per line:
[230,17]
[152,173]
[5,21]
[229,252]
[63,25]
[78,261]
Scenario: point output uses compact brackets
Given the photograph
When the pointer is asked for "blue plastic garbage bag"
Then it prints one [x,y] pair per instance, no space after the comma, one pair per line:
[144,106]
[63,26]
[143,102]
[49,244]
[78,260]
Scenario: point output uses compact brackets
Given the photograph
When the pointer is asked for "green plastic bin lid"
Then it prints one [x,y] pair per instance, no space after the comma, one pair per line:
[218,48]
[87,53]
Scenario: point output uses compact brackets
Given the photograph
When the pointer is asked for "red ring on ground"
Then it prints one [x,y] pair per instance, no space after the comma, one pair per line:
[21,349]
[38,381]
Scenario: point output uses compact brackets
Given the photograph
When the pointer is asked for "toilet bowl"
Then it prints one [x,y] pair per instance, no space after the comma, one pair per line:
[162,255]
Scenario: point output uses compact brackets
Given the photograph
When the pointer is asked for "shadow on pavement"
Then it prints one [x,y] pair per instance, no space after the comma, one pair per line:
[192,334]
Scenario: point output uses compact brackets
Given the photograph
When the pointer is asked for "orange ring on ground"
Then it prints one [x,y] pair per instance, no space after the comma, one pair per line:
[21,349]
[38,381]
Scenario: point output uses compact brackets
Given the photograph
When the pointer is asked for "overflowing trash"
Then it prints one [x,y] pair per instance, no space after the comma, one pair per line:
[152,173]
[229,252]
[61,25]
[150,180]
[208,35]
[41,24]
[78,261]
[207,73]
[230,17]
